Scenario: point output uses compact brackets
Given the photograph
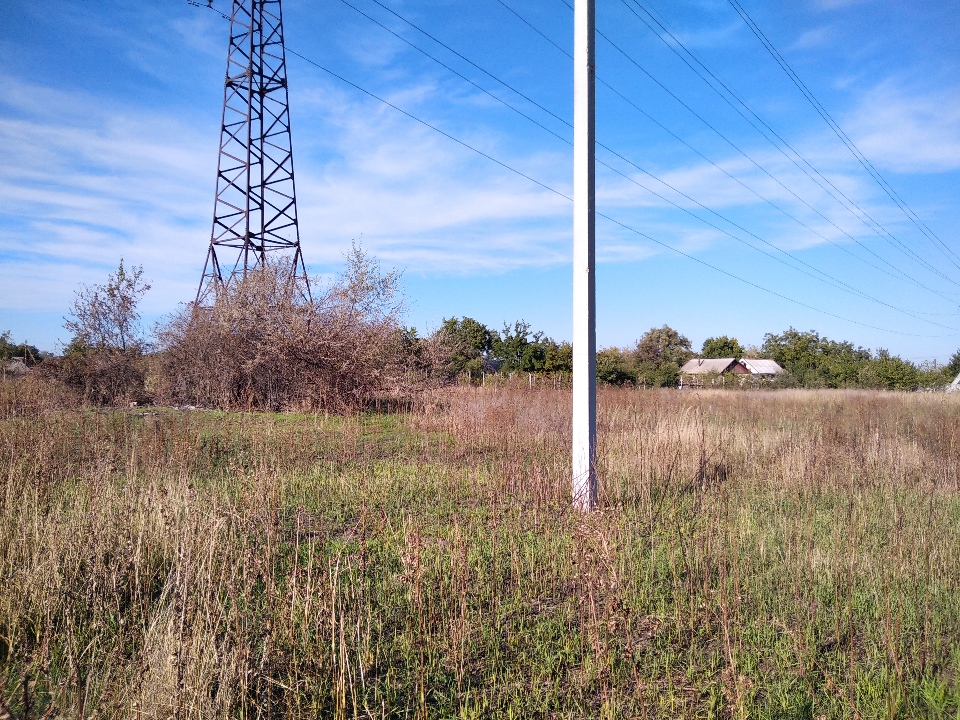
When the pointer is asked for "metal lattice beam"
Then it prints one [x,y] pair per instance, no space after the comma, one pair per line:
[255,211]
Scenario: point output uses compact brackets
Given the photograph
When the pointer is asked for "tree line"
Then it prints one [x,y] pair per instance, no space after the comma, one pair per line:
[265,343]
[810,359]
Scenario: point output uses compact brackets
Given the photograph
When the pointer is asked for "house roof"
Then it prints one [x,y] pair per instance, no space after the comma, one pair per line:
[698,366]
[761,366]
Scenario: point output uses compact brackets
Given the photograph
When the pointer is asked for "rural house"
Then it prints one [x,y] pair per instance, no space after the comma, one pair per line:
[696,368]
[712,366]
[761,366]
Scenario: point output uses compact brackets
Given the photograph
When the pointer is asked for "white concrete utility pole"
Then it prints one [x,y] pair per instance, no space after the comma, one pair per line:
[584,260]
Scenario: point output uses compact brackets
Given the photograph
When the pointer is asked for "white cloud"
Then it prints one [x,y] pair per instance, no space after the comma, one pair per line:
[837,4]
[908,132]
[710,38]
[85,182]
[814,38]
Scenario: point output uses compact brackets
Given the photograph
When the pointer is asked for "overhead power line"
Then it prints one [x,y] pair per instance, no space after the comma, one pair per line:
[820,275]
[568,198]
[897,274]
[844,138]
[774,138]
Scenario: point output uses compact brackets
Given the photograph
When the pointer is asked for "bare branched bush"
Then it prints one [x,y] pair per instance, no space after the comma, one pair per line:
[106,317]
[98,377]
[104,363]
[265,344]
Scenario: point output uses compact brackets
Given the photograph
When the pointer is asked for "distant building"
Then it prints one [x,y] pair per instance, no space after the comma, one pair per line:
[757,367]
[712,366]
[761,366]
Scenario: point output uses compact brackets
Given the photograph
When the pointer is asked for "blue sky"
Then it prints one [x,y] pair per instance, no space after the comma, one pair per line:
[110,114]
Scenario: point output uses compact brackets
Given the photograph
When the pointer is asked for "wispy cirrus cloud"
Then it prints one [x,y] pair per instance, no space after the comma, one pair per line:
[86,182]
[908,131]
[814,38]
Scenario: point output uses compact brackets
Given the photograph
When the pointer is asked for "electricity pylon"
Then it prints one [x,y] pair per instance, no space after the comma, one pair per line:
[255,211]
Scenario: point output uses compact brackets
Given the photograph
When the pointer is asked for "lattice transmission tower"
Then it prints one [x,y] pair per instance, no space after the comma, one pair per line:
[255,211]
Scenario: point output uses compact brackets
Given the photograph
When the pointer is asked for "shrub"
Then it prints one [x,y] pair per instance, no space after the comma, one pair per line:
[99,377]
[265,344]
[104,362]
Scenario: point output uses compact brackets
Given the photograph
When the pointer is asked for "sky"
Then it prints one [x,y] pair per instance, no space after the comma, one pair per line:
[760,218]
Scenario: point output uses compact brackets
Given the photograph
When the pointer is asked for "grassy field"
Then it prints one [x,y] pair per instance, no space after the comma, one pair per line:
[786,554]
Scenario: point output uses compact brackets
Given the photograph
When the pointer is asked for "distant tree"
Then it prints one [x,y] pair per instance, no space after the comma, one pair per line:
[952,367]
[534,358]
[520,349]
[816,361]
[414,348]
[889,373]
[663,375]
[471,346]
[722,347]
[559,357]
[614,367]
[469,343]
[9,349]
[107,317]
[662,345]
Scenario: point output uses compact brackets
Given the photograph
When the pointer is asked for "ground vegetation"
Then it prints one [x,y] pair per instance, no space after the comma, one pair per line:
[791,554]
[267,343]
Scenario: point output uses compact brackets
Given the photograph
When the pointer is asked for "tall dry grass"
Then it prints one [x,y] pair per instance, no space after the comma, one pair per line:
[789,554]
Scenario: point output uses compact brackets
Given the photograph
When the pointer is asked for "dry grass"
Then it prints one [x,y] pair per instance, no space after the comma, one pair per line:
[769,555]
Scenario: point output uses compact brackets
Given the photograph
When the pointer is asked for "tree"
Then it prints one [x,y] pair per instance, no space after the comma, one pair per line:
[468,345]
[106,317]
[953,365]
[518,349]
[889,373]
[10,349]
[816,361]
[662,345]
[722,347]
[104,362]
[559,356]
[614,367]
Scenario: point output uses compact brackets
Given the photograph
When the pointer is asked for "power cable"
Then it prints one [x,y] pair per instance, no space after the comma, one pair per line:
[568,198]
[830,280]
[470,62]
[779,142]
[900,274]
[604,216]
[840,133]
[465,78]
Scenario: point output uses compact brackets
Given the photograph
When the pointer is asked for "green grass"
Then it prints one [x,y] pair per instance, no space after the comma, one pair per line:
[755,556]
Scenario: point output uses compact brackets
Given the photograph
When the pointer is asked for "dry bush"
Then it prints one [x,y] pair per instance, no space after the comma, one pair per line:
[265,345]
[104,363]
[34,396]
[98,377]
